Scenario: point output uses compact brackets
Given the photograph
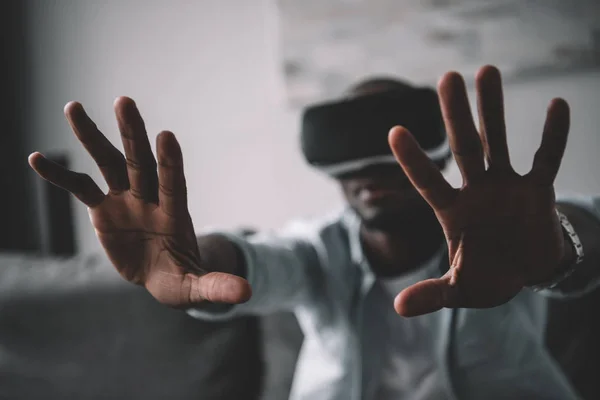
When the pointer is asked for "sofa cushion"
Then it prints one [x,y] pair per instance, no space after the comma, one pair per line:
[573,338]
[72,328]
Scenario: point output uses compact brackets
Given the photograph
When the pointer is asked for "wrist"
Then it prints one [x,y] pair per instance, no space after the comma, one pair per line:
[219,254]
[571,257]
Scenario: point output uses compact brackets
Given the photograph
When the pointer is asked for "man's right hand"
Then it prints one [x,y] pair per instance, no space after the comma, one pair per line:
[143,222]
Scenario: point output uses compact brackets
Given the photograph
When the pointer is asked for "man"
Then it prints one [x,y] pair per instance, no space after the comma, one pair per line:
[475,332]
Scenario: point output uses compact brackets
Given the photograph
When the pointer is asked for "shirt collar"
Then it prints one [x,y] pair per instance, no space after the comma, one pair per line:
[352,223]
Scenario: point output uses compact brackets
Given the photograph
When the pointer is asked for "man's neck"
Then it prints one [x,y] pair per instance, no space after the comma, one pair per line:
[395,253]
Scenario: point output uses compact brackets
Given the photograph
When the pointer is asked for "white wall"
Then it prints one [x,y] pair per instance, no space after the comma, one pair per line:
[526,110]
[209,71]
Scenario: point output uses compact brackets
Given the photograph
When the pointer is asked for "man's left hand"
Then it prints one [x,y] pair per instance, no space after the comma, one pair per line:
[501,227]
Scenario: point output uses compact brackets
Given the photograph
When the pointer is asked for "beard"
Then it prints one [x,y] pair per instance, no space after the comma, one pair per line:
[398,221]
[387,222]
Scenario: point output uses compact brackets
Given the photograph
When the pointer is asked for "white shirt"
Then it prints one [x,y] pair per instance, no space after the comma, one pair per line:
[409,370]
[318,270]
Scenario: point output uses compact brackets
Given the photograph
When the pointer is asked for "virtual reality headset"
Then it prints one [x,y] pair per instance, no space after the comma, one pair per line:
[346,136]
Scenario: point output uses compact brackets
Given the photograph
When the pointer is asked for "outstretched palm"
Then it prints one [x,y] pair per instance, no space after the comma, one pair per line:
[501,227]
[143,222]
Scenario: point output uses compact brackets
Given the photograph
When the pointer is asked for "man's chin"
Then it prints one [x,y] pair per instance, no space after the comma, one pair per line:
[386,222]
[396,221]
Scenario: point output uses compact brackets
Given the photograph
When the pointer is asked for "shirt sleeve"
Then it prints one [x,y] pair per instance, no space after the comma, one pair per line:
[577,285]
[283,270]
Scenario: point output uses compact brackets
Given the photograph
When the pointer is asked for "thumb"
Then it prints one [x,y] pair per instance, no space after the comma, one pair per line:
[426,297]
[219,287]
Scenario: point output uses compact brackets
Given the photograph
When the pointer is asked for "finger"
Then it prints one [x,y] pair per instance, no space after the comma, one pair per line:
[422,172]
[219,287]
[172,189]
[554,141]
[141,164]
[110,160]
[426,297]
[463,137]
[80,185]
[490,103]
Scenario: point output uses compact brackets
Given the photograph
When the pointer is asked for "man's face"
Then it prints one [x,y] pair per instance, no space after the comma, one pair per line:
[384,198]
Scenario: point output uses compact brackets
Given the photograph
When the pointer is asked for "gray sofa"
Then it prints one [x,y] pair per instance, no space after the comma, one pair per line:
[71,328]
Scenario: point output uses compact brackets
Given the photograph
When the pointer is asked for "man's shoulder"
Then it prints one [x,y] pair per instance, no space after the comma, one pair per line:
[590,203]
[332,223]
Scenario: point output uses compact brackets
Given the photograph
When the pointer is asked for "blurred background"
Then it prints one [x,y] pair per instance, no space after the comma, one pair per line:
[230,78]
